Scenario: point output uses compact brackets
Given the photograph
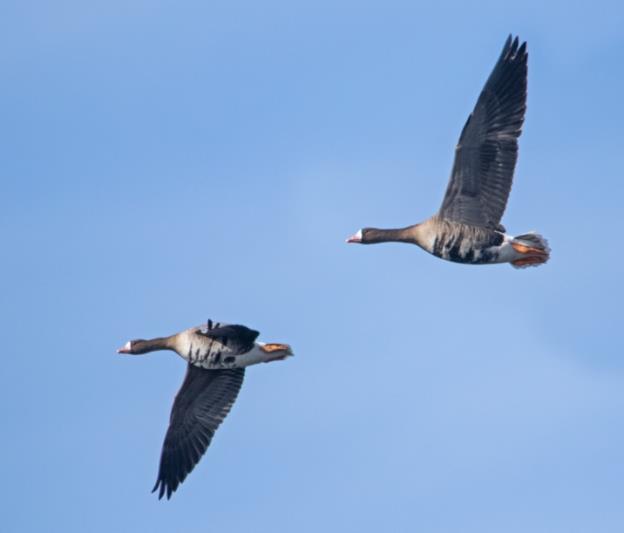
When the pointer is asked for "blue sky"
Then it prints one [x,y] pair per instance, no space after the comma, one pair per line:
[169,162]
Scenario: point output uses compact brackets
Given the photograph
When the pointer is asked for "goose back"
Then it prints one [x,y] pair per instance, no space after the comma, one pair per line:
[215,345]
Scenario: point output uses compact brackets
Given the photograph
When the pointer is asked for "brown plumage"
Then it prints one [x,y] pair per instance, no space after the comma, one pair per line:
[217,355]
[467,227]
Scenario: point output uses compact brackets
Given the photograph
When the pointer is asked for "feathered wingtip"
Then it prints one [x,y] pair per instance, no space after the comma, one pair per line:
[512,49]
[164,488]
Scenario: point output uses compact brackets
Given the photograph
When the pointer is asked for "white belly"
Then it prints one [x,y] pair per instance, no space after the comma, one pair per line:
[228,360]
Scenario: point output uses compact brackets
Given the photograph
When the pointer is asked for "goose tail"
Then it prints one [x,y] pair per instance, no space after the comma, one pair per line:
[531,250]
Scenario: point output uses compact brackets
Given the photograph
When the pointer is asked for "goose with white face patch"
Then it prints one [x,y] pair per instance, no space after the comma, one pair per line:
[467,227]
[217,355]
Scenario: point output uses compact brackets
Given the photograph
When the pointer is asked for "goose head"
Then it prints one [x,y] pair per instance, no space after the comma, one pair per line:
[369,236]
[410,234]
[141,346]
[356,237]
[133,347]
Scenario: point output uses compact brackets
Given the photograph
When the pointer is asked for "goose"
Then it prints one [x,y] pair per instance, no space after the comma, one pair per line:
[217,355]
[467,227]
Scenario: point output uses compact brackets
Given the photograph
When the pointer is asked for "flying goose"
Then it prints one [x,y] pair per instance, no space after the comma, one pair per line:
[217,355]
[467,227]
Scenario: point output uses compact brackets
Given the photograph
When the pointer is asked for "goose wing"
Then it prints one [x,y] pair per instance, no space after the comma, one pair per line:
[487,151]
[202,403]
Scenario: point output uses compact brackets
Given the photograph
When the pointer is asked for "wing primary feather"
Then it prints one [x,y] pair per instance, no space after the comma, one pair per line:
[487,150]
[203,401]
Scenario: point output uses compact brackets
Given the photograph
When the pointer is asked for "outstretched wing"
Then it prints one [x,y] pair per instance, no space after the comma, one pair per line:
[202,403]
[486,154]
[239,339]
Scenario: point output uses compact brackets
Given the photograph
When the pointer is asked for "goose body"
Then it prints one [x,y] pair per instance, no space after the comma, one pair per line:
[217,355]
[467,227]
[463,243]
[215,346]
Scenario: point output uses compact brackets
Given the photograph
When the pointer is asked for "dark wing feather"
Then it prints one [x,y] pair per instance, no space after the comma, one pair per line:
[203,401]
[487,151]
[240,339]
